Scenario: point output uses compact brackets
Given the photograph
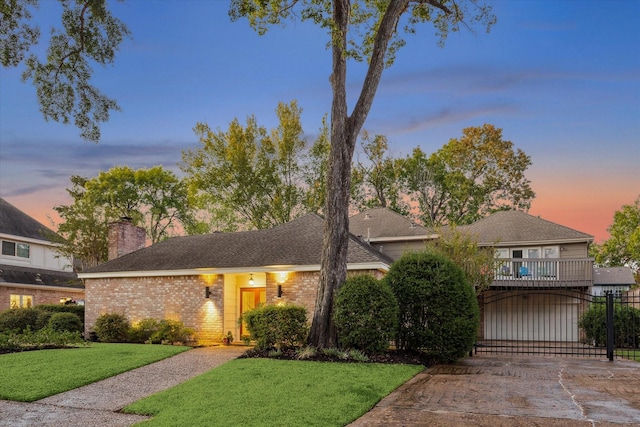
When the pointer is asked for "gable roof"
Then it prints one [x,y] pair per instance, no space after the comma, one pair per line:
[383,224]
[296,245]
[613,276]
[505,228]
[14,222]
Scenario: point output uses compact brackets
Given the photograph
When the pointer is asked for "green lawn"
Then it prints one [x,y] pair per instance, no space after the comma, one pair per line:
[629,354]
[33,375]
[266,392]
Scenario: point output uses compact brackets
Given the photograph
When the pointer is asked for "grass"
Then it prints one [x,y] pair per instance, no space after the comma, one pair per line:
[629,354]
[265,392]
[33,375]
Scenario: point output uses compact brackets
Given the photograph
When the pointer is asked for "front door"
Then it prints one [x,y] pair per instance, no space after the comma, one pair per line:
[250,298]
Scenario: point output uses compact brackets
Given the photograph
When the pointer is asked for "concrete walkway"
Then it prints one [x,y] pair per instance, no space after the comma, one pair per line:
[96,404]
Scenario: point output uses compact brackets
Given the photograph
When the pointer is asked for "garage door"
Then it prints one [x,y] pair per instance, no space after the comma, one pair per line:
[531,316]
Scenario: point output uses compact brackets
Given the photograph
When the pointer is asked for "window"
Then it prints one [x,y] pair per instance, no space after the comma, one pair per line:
[21,301]
[21,250]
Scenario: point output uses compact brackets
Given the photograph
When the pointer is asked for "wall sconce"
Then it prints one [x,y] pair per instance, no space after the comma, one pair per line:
[279,291]
[251,281]
[207,292]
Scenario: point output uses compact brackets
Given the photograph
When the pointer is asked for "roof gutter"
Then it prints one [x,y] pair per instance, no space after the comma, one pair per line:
[229,270]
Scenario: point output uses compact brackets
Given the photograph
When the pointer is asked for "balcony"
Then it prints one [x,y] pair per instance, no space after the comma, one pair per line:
[543,273]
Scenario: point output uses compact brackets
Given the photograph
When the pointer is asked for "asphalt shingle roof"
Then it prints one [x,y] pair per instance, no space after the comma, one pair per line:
[298,242]
[505,227]
[34,276]
[383,222]
[613,276]
[17,223]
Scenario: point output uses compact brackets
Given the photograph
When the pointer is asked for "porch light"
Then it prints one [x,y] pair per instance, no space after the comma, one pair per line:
[251,281]
[207,292]
[279,291]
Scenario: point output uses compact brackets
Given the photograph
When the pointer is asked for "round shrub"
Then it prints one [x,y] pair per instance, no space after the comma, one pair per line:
[365,314]
[277,326]
[438,309]
[112,328]
[19,319]
[61,322]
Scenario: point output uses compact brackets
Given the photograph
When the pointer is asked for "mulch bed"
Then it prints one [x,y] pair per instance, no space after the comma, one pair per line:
[392,356]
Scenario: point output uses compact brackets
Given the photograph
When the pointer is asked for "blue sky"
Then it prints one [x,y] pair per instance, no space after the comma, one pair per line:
[561,78]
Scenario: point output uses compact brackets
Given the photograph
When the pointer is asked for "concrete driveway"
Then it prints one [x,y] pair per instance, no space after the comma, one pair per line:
[515,391]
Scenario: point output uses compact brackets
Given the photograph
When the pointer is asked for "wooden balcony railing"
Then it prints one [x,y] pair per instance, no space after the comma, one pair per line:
[543,272]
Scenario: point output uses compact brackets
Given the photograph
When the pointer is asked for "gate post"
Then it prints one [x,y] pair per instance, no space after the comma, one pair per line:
[609,311]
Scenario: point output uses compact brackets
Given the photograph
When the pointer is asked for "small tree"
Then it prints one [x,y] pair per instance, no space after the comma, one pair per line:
[438,309]
[366,314]
[478,263]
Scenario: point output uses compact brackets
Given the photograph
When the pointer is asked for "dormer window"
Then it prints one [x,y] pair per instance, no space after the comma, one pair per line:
[15,249]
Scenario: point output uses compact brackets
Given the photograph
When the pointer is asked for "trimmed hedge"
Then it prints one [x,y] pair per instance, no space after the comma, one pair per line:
[61,322]
[626,325]
[365,314]
[21,319]
[438,309]
[277,326]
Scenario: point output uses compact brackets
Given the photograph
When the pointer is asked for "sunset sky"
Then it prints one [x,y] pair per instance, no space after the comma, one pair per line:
[560,78]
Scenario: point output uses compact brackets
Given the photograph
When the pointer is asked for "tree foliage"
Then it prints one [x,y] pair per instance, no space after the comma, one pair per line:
[478,263]
[365,30]
[377,181]
[623,246]
[153,198]
[89,34]
[469,178]
[253,176]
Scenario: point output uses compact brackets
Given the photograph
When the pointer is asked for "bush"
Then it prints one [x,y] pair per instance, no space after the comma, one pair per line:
[142,331]
[171,331]
[112,328]
[19,319]
[438,309]
[626,325]
[40,339]
[365,314]
[78,310]
[275,326]
[61,322]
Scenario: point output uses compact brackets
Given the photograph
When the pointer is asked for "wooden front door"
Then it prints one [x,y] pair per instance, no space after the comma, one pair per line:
[250,298]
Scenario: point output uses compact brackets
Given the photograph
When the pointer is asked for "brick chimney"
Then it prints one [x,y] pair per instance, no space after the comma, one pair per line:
[124,238]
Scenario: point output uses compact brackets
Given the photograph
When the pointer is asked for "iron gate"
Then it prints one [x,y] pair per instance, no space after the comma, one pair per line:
[563,322]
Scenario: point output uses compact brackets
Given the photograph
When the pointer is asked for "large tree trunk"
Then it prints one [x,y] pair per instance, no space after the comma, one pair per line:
[344,131]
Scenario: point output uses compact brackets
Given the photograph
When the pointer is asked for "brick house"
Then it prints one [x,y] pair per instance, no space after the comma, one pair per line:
[207,281]
[31,272]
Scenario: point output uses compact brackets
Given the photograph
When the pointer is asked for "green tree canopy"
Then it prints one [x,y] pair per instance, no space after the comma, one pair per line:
[469,178]
[89,34]
[153,198]
[248,175]
[623,246]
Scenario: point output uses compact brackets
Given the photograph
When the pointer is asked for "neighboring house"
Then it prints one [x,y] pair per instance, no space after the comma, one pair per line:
[612,279]
[389,232]
[541,281]
[31,273]
[208,281]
